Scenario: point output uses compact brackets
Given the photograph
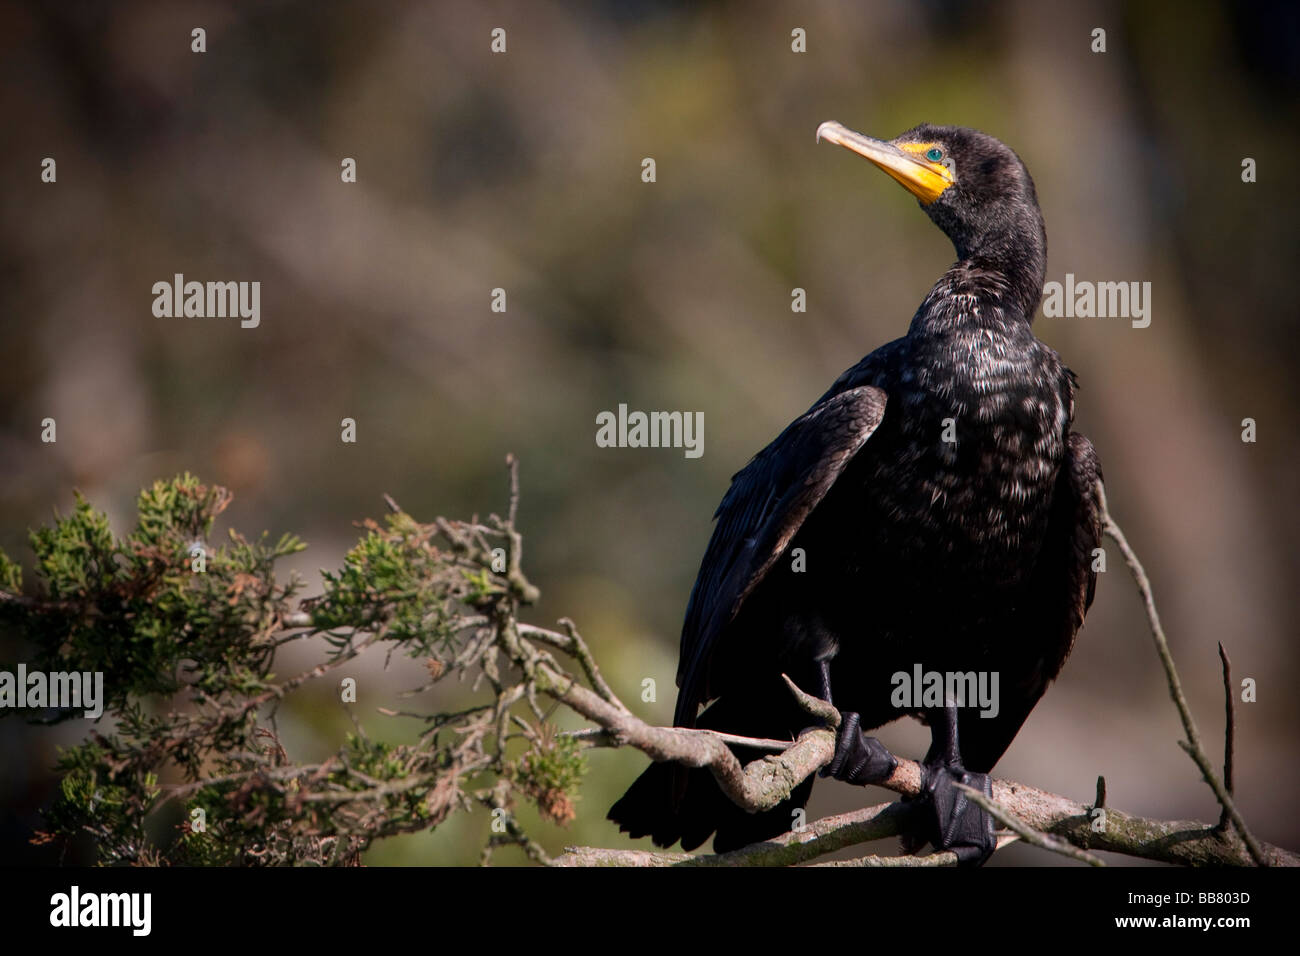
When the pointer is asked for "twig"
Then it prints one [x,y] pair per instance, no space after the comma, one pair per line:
[495,800]
[1026,832]
[599,737]
[1193,742]
[512,463]
[571,643]
[814,705]
[1229,729]
[942,858]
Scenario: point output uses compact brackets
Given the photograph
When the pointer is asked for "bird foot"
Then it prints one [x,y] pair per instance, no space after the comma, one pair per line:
[859,759]
[955,822]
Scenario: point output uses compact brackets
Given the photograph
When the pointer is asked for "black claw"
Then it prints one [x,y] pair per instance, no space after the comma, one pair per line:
[859,759]
[956,823]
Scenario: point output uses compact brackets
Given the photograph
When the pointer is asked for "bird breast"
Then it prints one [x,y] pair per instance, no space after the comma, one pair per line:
[975,431]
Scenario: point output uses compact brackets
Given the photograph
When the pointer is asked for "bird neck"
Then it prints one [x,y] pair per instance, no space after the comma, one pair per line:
[1011,262]
[996,288]
[1001,251]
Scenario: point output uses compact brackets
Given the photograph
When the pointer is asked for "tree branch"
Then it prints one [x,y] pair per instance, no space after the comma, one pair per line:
[1229,728]
[1028,833]
[1181,842]
[1193,742]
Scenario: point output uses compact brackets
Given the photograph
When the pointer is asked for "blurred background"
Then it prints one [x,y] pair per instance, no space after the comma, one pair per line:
[522,171]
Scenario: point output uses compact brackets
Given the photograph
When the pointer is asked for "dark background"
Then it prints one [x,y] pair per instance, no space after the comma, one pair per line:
[522,171]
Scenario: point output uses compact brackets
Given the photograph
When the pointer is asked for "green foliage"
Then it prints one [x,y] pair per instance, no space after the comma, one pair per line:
[11,575]
[551,773]
[193,771]
[397,580]
[137,610]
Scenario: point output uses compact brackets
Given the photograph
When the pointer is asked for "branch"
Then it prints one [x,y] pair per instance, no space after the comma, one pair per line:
[1182,842]
[765,782]
[942,858]
[1193,742]
[571,643]
[759,786]
[1229,728]
[1026,832]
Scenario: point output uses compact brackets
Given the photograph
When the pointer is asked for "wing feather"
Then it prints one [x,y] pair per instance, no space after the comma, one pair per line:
[767,503]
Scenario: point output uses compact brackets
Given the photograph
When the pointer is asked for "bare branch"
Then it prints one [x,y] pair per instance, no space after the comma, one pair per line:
[760,786]
[512,463]
[600,737]
[1229,728]
[767,781]
[1181,842]
[571,643]
[1193,743]
[942,858]
[814,839]
[814,705]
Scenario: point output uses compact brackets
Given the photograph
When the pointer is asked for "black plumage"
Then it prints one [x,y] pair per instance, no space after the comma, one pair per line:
[970,554]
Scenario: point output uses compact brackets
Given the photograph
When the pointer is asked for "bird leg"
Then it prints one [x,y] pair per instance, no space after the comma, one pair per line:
[955,823]
[858,759]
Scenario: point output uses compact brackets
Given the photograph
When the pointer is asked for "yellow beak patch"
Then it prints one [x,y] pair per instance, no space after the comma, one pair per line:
[905,162]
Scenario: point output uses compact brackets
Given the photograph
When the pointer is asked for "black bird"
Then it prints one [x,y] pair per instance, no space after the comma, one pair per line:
[932,510]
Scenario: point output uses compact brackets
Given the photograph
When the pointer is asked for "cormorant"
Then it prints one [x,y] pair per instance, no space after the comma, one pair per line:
[945,517]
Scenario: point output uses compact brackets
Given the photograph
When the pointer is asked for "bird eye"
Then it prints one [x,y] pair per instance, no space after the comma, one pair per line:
[934,155]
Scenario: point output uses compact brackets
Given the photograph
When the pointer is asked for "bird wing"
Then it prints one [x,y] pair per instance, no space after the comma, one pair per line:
[767,503]
[1083,518]
[1061,592]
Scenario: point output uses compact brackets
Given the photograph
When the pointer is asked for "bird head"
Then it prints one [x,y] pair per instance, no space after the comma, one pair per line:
[971,185]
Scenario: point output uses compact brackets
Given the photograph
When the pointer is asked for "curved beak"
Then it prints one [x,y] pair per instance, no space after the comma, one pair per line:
[924,179]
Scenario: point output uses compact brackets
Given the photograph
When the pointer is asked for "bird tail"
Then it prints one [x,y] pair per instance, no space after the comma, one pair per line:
[669,802]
